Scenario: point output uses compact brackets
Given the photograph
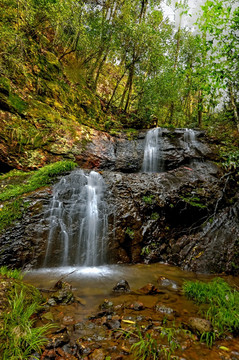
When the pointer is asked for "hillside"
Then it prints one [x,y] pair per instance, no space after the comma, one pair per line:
[68,67]
[46,108]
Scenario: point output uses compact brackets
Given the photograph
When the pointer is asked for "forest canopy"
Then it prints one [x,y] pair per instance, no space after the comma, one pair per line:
[131,56]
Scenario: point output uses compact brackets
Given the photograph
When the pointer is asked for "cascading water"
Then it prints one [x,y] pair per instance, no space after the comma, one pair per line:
[189,138]
[152,151]
[78,221]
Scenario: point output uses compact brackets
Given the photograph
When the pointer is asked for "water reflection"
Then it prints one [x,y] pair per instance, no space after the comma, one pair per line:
[88,281]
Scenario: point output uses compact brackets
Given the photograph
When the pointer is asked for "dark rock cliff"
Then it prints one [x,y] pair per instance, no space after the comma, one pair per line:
[183,215]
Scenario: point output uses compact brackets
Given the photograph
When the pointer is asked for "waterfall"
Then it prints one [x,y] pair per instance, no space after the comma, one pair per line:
[152,151]
[189,138]
[78,221]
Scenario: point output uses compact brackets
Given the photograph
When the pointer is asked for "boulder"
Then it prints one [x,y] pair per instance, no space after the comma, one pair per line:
[63,295]
[149,289]
[122,286]
[199,326]
[163,309]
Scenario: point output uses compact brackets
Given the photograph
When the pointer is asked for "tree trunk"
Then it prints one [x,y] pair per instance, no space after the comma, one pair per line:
[116,87]
[172,105]
[99,70]
[131,75]
[124,94]
[234,106]
[200,107]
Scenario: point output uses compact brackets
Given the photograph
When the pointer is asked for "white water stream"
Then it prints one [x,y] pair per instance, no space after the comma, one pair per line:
[189,138]
[152,151]
[78,221]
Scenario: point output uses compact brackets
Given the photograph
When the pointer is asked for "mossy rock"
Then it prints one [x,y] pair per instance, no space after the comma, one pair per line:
[4,102]
[10,101]
[49,66]
[17,104]
[4,86]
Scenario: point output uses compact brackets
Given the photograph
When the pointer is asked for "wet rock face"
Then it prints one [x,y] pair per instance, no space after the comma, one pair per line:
[216,246]
[180,216]
[23,244]
[154,211]
[122,154]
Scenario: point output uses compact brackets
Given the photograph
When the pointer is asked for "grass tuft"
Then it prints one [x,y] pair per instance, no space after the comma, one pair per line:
[19,337]
[11,273]
[222,300]
[148,346]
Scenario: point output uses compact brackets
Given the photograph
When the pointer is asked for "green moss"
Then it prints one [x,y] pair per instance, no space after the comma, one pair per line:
[155,216]
[193,201]
[148,199]
[130,232]
[14,175]
[11,211]
[4,85]
[37,179]
[17,103]
[17,184]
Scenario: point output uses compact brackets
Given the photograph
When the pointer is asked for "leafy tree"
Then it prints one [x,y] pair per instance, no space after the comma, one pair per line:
[220,24]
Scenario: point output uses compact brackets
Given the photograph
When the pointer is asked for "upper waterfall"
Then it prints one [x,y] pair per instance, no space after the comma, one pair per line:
[152,161]
[189,138]
[78,221]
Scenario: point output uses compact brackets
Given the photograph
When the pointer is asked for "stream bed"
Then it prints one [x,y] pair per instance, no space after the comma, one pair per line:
[95,325]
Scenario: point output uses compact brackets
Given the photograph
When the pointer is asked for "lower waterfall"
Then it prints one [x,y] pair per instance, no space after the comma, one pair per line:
[78,221]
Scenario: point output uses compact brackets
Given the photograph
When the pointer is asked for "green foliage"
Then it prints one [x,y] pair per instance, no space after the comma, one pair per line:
[11,211]
[145,250]
[219,26]
[17,103]
[111,59]
[37,179]
[193,201]
[14,274]
[18,183]
[222,300]
[145,348]
[130,232]
[19,338]
[148,249]
[231,160]
[148,346]
[208,337]
[155,216]
[148,199]
[4,85]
